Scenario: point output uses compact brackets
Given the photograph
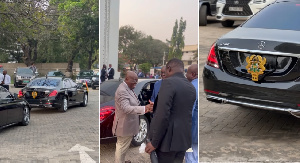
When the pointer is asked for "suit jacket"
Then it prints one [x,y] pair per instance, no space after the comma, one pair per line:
[111,73]
[126,120]
[170,128]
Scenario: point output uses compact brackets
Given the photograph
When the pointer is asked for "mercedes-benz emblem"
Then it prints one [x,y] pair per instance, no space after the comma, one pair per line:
[236,2]
[261,45]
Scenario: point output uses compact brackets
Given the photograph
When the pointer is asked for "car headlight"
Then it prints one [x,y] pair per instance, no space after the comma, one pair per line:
[18,77]
[221,1]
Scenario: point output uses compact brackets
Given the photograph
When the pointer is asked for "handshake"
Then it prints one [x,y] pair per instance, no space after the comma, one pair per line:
[149,107]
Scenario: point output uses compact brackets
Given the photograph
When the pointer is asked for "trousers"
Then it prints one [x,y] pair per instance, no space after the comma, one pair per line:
[122,146]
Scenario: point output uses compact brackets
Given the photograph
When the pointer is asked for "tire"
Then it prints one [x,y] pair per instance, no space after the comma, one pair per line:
[84,101]
[203,15]
[227,23]
[26,116]
[64,105]
[143,132]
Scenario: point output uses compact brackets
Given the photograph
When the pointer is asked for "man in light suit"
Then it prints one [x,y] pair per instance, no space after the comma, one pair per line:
[126,120]
[170,129]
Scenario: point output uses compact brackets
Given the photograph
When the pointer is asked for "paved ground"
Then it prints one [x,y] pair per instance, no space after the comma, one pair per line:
[51,134]
[237,134]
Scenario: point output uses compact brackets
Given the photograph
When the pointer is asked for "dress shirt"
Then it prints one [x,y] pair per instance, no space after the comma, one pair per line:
[195,114]
[6,80]
[156,90]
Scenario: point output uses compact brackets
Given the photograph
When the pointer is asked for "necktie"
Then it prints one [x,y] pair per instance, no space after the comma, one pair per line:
[4,79]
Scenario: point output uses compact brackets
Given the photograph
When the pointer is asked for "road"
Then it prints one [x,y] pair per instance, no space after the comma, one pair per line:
[51,134]
[231,133]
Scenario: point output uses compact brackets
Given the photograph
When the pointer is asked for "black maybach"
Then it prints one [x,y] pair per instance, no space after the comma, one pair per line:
[258,63]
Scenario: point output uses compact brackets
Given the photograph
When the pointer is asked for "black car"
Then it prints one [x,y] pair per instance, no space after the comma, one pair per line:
[13,110]
[257,64]
[85,76]
[143,89]
[54,92]
[23,75]
[95,81]
[55,73]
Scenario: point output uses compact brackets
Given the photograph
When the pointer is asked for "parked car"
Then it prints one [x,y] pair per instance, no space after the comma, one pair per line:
[13,110]
[55,73]
[143,90]
[85,76]
[23,75]
[229,11]
[54,92]
[257,64]
[207,8]
[95,81]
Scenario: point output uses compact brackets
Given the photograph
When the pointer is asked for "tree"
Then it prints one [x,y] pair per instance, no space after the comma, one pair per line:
[176,44]
[145,67]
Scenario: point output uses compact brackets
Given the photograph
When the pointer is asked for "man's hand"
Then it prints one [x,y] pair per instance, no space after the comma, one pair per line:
[149,108]
[149,148]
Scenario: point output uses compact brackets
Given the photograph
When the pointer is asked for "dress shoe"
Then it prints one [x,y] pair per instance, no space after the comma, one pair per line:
[128,161]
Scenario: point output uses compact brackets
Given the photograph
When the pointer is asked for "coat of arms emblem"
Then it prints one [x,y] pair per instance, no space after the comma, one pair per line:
[255,66]
[34,94]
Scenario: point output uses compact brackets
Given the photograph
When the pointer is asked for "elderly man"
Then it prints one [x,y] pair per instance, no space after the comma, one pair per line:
[170,128]
[126,121]
[192,76]
[5,80]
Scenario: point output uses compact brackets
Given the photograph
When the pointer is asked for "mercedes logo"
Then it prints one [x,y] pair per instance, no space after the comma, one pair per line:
[236,2]
[261,45]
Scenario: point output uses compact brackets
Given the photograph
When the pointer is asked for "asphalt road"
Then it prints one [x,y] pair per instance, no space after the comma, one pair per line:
[51,134]
[239,134]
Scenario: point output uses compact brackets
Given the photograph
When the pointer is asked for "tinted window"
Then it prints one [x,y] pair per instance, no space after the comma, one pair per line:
[67,83]
[284,15]
[24,71]
[4,94]
[55,73]
[86,73]
[109,88]
[44,82]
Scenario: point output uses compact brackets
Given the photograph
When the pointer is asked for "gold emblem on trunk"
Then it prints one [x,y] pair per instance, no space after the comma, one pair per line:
[255,66]
[34,94]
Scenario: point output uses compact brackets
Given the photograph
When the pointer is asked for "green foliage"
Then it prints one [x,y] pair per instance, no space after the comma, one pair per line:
[176,44]
[145,67]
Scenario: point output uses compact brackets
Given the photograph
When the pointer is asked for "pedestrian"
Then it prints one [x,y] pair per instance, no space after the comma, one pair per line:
[127,111]
[158,84]
[110,72]
[170,129]
[140,74]
[192,76]
[32,67]
[103,75]
[5,80]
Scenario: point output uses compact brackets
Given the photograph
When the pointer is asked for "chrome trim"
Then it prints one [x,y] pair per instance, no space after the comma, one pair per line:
[294,112]
[249,98]
[259,52]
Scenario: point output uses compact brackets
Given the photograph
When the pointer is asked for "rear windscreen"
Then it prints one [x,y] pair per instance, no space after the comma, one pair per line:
[44,83]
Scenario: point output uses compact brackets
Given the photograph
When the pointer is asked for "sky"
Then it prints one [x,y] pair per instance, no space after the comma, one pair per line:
[157,17]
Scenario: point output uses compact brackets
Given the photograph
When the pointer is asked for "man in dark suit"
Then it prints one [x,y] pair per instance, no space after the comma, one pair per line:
[170,129]
[110,72]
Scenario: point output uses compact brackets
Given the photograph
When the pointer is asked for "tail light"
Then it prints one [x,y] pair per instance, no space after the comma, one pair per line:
[105,112]
[20,93]
[210,91]
[212,58]
[53,93]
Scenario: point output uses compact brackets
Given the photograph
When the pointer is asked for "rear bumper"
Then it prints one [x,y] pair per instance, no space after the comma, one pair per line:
[225,88]
[43,103]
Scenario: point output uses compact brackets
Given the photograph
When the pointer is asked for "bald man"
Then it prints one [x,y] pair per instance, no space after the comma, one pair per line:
[170,128]
[126,120]
[192,76]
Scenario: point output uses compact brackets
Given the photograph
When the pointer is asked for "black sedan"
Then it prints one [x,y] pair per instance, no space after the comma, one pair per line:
[13,110]
[54,92]
[257,64]
[95,81]
[143,89]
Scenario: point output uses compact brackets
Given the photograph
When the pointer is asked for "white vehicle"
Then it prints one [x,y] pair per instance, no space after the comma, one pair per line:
[229,11]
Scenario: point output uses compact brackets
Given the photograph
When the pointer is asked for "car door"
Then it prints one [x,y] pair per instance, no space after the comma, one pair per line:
[67,87]
[78,91]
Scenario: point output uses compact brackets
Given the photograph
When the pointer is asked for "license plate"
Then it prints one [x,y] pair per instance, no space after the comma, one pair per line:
[235,8]
[25,81]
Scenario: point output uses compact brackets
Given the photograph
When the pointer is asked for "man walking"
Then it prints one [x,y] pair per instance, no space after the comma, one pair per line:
[5,80]
[170,129]
[110,72]
[126,120]
[192,76]
[32,67]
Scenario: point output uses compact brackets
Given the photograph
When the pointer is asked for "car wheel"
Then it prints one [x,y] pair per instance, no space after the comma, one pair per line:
[227,23]
[85,100]
[143,132]
[26,116]
[203,15]
[64,105]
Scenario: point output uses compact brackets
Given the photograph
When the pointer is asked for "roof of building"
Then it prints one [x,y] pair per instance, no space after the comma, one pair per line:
[190,48]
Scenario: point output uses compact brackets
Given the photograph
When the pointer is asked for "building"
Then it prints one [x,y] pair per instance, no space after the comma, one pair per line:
[188,55]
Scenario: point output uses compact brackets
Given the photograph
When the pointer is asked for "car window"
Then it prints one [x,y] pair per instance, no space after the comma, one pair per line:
[24,71]
[67,83]
[4,94]
[108,88]
[86,73]
[44,82]
[283,16]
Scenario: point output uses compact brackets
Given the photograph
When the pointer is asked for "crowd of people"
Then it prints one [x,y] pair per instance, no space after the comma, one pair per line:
[174,108]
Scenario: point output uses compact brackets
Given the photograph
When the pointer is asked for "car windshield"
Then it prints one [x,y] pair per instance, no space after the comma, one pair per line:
[283,16]
[55,73]
[24,71]
[85,73]
[44,83]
